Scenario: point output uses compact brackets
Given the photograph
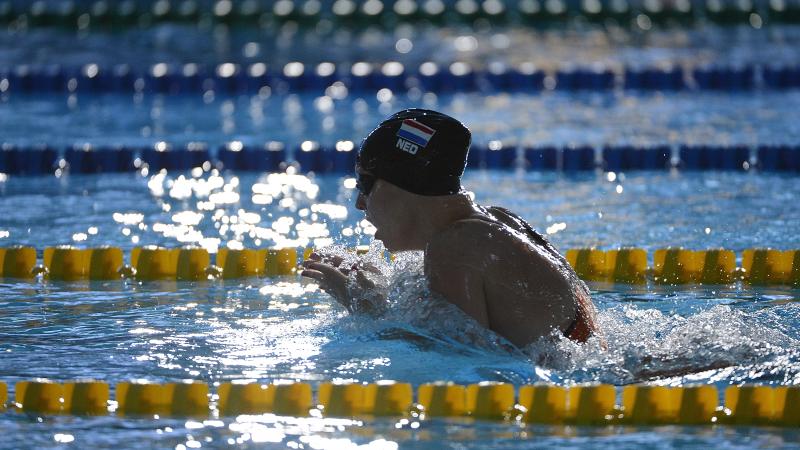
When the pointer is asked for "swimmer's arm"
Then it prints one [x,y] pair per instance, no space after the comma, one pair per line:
[453,273]
[461,286]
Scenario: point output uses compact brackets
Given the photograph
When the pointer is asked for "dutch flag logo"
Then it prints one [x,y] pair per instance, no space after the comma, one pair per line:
[415,132]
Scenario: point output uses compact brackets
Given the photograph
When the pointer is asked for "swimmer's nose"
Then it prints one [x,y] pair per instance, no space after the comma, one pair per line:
[361,202]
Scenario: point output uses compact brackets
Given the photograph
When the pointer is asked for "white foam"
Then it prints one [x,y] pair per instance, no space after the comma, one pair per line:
[645,344]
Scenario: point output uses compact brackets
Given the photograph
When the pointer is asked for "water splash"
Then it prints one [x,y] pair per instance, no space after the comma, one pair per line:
[647,344]
[721,343]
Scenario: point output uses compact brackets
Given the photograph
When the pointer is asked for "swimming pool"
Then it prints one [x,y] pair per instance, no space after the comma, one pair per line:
[284,328]
[267,329]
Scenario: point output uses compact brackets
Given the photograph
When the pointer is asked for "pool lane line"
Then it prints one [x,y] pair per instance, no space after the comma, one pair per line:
[583,404]
[393,76]
[313,157]
[671,266]
[389,14]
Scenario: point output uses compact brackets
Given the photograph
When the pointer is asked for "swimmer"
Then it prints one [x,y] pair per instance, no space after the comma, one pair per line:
[485,260]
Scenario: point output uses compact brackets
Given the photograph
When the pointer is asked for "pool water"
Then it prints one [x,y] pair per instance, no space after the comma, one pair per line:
[580,44]
[268,329]
[548,118]
[285,328]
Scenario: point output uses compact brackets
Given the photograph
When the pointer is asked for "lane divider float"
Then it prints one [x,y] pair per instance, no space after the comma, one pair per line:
[587,404]
[671,266]
[361,76]
[104,14]
[676,265]
[149,263]
[313,157]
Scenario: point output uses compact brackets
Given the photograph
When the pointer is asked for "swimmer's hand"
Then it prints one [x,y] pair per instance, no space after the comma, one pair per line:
[336,281]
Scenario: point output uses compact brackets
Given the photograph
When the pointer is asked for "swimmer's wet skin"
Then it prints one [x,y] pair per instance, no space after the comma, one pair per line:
[485,260]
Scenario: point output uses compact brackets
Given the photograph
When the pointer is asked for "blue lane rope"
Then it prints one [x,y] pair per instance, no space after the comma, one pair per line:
[100,14]
[314,157]
[457,77]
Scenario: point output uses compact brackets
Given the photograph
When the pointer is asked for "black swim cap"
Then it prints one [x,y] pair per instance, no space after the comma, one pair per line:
[418,150]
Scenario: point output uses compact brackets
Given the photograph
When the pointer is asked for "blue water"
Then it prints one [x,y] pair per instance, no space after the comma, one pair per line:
[549,118]
[285,328]
[648,210]
[579,44]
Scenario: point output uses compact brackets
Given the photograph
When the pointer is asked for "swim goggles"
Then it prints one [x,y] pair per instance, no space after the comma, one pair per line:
[365,182]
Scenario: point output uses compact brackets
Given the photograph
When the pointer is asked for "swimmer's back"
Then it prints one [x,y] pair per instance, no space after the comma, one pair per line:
[528,287]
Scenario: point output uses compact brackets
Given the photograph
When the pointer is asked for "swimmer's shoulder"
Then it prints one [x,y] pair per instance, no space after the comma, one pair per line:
[496,238]
[470,239]
[480,223]
[492,226]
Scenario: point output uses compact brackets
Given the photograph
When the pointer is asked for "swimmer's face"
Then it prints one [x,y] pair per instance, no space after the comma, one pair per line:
[365,182]
[378,199]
